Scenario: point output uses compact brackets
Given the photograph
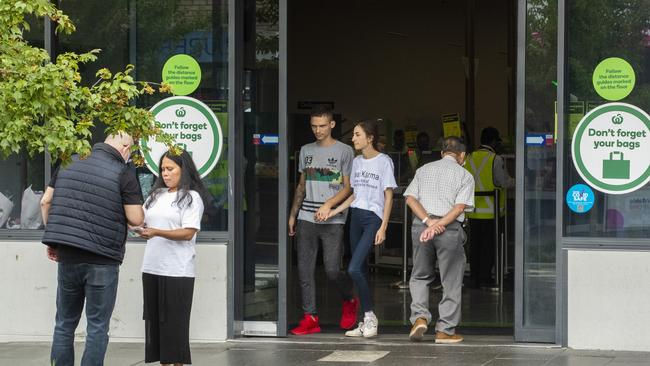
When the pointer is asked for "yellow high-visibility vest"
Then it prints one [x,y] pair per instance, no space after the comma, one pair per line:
[413,159]
[480,164]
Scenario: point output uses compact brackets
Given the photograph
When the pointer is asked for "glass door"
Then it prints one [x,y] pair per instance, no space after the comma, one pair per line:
[535,253]
[259,238]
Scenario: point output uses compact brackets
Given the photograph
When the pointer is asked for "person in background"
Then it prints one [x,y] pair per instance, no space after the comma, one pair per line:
[172,214]
[86,208]
[489,171]
[422,147]
[324,183]
[439,194]
[399,155]
[372,181]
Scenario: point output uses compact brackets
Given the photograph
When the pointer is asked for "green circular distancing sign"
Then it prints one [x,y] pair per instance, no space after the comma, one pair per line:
[610,148]
[614,79]
[195,128]
[182,73]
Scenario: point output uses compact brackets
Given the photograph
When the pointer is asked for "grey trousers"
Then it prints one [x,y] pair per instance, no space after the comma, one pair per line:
[308,235]
[448,248]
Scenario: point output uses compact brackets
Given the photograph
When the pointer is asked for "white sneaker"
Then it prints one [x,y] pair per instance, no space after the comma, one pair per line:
[357,332]
[370,326]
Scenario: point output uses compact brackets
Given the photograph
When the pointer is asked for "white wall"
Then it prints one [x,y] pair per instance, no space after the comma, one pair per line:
[28,283]
[609,300]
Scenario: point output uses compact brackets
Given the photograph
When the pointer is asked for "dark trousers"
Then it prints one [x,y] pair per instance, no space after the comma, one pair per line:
[167,308]
[363,228]
[483,251]
[96,285]
[308,236]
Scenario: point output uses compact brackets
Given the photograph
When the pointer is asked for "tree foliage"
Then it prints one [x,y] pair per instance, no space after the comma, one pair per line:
[598,29]
[44,106]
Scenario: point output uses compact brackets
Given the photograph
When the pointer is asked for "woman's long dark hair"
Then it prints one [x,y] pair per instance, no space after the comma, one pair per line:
[190,180]
[371,128]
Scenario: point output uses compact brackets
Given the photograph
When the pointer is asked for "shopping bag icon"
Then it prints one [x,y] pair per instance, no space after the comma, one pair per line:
[616,169]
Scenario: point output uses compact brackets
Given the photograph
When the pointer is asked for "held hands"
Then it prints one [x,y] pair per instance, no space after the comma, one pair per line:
[324,213]
[434,228]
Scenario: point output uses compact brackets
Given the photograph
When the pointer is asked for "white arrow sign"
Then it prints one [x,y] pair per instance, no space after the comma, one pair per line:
[535,140]
[270,139]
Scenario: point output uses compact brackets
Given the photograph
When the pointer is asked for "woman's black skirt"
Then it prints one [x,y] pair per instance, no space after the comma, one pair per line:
[167,307]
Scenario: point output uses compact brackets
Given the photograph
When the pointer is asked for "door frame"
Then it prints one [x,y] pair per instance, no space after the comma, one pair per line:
[235,197]
[523,333]
[235,323]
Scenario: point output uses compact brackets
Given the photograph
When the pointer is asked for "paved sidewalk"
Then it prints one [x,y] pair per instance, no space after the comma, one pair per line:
[329,350]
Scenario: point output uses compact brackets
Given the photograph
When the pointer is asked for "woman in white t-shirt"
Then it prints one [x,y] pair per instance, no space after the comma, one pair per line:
[372,180]
[172,218]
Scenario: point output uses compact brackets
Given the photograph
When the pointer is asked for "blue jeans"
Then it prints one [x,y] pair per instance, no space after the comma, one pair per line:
[363,228]
[95,284]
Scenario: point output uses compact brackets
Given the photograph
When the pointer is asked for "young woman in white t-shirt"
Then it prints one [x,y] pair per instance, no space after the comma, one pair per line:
[372,181]
[172,218]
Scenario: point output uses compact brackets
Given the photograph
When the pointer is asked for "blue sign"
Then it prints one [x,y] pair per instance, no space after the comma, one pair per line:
[580,198]
[540,139]
[536,139]
[259,139]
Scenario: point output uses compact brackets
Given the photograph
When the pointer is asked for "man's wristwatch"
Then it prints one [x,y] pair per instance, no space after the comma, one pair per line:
[424,220]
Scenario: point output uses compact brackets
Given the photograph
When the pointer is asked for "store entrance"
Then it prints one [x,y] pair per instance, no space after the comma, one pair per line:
[422,69]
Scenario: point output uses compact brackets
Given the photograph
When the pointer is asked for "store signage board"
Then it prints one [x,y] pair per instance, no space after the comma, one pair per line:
[580,198]
[182,73]
[610,148]
[451,124]
[613,79]
[195,128]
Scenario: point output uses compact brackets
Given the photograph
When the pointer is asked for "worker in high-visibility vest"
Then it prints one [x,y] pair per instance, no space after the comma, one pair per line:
[489,171]
[416,156]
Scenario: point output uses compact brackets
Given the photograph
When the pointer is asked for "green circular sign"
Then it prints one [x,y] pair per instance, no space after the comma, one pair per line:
[194,127]
[610,147]
[614,78]
[182,73]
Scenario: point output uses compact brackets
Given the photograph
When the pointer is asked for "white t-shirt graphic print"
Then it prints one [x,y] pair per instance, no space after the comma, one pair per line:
[173,258]
[369,179]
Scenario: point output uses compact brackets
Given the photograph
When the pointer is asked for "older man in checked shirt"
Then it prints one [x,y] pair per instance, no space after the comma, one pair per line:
[439,195]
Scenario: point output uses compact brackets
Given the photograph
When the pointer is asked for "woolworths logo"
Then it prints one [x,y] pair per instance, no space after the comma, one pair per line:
[610,148]
[194,127]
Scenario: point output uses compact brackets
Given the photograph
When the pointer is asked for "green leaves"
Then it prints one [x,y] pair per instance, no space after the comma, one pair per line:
[45,106]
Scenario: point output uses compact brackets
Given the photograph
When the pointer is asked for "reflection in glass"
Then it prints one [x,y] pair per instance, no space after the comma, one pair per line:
[21,189]
[540,165]
[23,176]
[166,28]
[622,30]
[261,56]
[146,33]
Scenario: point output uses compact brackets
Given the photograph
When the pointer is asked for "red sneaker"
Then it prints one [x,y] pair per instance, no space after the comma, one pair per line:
[308,325]
[349,313]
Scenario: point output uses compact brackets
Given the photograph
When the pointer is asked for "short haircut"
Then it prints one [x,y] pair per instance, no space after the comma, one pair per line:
[453,144]
[322,111]
[488,135]
[119,138]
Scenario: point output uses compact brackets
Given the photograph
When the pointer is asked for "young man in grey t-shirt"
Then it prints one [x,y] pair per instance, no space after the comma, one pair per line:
[324,167]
